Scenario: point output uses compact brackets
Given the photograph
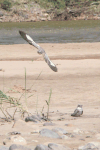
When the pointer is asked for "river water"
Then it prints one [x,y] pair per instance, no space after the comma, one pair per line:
[51,31]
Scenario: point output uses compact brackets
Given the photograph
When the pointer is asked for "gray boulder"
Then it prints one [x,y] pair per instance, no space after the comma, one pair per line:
[89,146]
[18,147]
[4,148]
[49,133]
[48,124]
[33,118]
[60,130]
[54,146]
[42,147]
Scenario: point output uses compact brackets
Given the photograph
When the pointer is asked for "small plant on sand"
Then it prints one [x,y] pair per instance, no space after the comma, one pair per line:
[25,88]
[25,94]
[7,102]
[48,107]
[48,103]
[37,105]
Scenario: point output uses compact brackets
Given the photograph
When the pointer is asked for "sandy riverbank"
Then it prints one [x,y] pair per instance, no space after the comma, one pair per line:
[76,82]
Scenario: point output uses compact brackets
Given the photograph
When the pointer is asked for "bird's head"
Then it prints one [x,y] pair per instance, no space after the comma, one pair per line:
[79,106]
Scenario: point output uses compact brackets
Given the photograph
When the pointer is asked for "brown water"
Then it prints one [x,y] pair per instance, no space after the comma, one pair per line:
[51,31]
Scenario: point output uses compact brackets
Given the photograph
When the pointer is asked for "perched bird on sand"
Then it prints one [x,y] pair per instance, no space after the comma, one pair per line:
[78,111]
[40,50]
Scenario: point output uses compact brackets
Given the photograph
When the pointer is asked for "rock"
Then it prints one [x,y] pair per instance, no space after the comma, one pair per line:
[25,16]
[14,133]
[48,124]
[1,13]
[20,13]
[64,137]
[1,20]
[42,147]
[16,139]
[49,133]
[60,130]
[90,146]
[49,18]
[33,118]
[66,124]
[54,146]
[35,141]
[98,136]
[43,19]
[4,148]
[82,139]
[45,15]
[69,125]
[96,144]
[22,126]
[88,136]
[61,119]
[71,135]
[18,147]
[78,131]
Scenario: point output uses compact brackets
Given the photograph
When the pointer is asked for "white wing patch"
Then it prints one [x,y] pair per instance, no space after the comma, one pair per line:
[51,63]
[47,59]
[29,38]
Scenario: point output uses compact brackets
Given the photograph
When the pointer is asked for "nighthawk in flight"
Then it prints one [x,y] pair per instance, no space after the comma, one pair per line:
[40,50]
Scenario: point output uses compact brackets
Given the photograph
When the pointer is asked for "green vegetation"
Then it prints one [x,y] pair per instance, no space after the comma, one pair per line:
[5,4]
[7,102]
[48,103]
[46,117]
[10,103]
[9,106]
[62,4]
[57,9]
[56,4]
[59,4]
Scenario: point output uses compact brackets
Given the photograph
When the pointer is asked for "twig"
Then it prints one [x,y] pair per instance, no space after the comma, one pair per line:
[25,88]
[48,103]
[14,113]
[37,105]
[36,79]
[4,113]
[8,113]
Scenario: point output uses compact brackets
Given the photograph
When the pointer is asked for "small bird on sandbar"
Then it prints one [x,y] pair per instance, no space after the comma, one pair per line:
[40,50]
[78,111]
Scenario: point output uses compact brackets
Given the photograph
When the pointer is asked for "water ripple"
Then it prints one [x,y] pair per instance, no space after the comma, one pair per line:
[51,34]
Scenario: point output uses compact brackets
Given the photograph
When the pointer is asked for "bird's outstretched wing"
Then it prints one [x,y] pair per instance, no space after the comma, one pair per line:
[40,50]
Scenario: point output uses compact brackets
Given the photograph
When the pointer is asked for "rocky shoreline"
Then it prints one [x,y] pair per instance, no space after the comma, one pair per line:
[21,15]
[17,140]
[33,12]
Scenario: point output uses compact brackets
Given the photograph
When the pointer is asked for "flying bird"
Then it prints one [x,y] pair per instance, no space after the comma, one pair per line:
[40,50]
[78,111]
